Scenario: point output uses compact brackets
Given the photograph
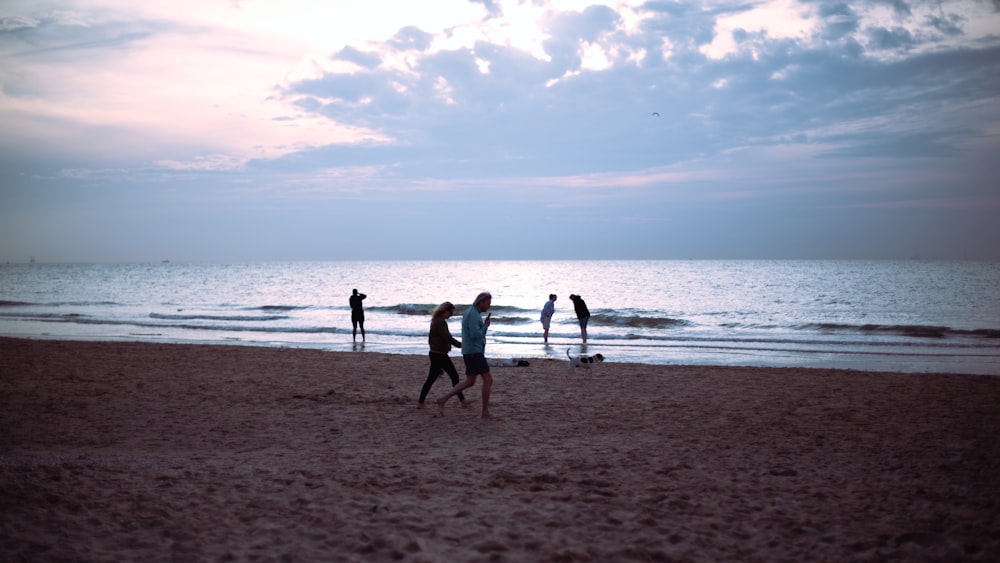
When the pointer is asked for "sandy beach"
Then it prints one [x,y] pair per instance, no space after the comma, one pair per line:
[161,452]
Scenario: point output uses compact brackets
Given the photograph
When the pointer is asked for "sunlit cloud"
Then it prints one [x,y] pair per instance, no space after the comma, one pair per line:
[179,90]
[776,19]
[885,29]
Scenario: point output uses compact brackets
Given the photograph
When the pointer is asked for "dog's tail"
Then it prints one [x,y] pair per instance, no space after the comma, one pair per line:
[567,354]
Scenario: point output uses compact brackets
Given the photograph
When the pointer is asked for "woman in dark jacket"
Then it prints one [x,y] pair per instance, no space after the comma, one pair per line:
[440,341]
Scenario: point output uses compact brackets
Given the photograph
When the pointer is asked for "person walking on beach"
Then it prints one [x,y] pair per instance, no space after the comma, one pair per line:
[440,341]
[357,314]
[474,352]
[548,310]
[582,314]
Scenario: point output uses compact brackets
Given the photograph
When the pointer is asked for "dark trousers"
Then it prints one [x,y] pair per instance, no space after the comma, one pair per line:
[439,363]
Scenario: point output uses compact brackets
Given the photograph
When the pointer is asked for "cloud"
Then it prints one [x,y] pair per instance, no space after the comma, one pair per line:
[17,23]
[360,58]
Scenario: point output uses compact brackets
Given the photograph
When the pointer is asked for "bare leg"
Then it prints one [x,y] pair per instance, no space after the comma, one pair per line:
[469,382]
[546,337]
[362,323]
[487,386]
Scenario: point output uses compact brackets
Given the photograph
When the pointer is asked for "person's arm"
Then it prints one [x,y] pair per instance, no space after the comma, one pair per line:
[477,326]
[447,334]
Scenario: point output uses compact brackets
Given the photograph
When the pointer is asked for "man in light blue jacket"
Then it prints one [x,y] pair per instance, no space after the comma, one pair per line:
[474,352]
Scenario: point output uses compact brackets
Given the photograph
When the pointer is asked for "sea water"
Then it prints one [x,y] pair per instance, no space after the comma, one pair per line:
[911,316]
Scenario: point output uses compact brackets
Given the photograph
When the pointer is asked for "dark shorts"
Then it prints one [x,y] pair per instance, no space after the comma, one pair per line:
[476,364]
[584,321]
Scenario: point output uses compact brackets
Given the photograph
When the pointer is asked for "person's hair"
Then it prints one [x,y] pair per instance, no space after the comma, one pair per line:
[441,309]
[482,297]
[552,296]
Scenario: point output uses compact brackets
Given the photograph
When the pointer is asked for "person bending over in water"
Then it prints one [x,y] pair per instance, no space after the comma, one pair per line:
[548,310]
[582,314]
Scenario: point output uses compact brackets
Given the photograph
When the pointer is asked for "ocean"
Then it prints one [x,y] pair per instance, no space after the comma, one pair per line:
[911,316]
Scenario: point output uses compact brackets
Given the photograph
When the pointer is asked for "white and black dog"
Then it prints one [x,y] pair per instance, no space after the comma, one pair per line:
[586,362]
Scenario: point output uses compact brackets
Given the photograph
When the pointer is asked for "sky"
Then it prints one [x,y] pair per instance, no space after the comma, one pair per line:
[200,130]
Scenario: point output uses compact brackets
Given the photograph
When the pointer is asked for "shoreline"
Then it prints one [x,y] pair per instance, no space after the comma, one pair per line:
[149,451]
[853,362]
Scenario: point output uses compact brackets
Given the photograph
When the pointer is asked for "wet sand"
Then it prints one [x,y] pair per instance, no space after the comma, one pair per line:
[158,452]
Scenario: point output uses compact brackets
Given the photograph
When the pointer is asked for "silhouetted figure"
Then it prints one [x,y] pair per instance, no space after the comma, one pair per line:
[582,314]
[358,314]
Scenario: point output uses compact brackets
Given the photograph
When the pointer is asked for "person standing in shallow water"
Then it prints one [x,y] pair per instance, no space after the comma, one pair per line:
[548,310]
[474,352]
[440,341]
[357,314]
[582,314]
